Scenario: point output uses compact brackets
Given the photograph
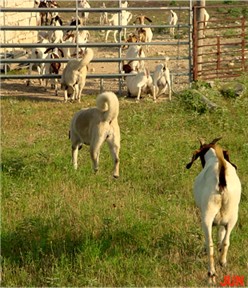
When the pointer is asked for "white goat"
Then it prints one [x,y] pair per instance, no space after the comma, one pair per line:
[125,17]
[145,33]
[104,16]
[161,79]
[74,76]
[38,53]
[138,82]
[173,18]
[217,192]
[85,15]
[70,37]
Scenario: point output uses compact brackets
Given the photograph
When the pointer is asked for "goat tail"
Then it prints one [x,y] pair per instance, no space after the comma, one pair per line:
[222,167]
[108,103]
[88,56]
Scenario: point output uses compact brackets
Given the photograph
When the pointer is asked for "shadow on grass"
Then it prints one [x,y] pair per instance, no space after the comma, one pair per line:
[37,93]
[35,240]
[32,241]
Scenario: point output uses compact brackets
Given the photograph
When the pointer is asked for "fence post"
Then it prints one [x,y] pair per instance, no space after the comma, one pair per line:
[218,55]
[195,71]
[243,43]
[200,33]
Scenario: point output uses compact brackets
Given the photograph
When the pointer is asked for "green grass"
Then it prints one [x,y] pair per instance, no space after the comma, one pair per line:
[62,227]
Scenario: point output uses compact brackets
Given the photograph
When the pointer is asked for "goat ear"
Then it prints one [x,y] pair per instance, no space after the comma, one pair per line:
[196,154]
[48,49]
[61,52]
[216,140]
[148,19]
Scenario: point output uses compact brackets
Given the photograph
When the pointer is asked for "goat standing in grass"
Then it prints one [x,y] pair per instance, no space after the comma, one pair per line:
[217,192]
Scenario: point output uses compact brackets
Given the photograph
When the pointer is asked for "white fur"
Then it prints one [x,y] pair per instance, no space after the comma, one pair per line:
[162,80]
[218,205]
[85,15]
[125,17]
[136,51]
[70,37]
[145,33]
[74,76]
[38,53]
[94,126]
[104,16]
[56,36]
[173,18]
[139,83]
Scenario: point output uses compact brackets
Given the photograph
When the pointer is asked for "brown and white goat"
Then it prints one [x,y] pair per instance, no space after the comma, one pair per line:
[135,51]
[217,193]
[138,82]
[53,67]
[145,33]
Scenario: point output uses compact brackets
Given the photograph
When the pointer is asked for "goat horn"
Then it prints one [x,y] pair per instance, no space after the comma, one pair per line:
[215,140]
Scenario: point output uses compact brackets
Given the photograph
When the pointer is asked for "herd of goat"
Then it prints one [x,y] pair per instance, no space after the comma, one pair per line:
[217,188]
[138,78]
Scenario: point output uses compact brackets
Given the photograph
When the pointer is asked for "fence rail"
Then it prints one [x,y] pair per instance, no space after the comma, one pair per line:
[221,48]
[171,47]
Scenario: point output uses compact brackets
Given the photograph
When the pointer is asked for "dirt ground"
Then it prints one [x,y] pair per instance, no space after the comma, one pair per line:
[18,87]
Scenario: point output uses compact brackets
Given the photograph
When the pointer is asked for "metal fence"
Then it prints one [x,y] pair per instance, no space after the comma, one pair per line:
[177,48]
[221,48]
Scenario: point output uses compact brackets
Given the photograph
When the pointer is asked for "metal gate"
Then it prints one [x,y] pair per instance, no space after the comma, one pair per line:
[177,48]
[220,49]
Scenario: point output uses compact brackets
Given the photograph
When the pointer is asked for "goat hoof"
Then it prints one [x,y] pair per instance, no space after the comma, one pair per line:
[211,278]
[222,263]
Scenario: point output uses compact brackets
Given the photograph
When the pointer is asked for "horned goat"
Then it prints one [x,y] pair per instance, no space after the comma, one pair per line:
[145,33]
[217,192]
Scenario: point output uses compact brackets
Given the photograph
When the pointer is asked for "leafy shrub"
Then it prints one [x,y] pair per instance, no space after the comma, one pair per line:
[192,101]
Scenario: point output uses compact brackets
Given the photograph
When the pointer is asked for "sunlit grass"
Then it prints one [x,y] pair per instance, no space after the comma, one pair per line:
[62,227]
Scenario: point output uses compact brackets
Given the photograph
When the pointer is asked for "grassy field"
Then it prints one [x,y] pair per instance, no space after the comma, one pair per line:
[62,227]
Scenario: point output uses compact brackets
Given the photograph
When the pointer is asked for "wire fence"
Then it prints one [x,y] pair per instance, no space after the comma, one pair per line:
[108,59]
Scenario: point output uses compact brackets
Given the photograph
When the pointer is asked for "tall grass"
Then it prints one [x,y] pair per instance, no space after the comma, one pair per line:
[62,227]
